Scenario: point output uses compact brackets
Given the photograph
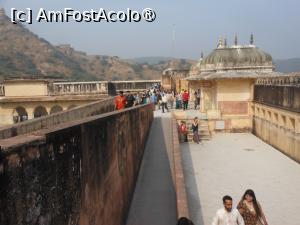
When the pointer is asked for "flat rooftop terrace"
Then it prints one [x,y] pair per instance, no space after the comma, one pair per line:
[232,163]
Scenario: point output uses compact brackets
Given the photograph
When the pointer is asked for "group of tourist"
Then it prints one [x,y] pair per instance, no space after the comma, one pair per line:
[248,211]
[164,100]
[129,99]
[183,131]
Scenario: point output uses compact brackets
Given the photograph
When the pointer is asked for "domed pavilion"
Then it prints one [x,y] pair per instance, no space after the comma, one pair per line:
[225,78]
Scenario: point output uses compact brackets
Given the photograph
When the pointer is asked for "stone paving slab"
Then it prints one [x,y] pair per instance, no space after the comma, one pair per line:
[232,163]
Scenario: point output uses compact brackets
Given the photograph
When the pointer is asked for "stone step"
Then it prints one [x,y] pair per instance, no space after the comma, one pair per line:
[201,139]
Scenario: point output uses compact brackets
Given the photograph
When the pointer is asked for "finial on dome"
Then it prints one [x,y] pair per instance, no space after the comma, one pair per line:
[202,55]
[220,44]
[236,40]
[252,39]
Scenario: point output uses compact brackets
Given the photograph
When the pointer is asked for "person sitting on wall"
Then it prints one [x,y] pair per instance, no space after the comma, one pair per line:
[183,132]
[120,101]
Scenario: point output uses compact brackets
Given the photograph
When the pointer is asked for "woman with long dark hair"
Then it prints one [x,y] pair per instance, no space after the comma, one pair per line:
[195,128]
[251,210]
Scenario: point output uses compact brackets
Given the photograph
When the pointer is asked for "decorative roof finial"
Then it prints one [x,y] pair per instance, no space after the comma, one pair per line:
[220,44]
[252,39]
[236,40]
[202,55]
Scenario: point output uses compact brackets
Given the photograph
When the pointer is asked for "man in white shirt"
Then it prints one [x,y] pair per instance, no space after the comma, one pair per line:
[164,103]
[227,215]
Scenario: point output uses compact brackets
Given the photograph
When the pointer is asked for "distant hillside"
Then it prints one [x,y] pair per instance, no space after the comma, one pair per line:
[24,54]
[152,60]
[288,65]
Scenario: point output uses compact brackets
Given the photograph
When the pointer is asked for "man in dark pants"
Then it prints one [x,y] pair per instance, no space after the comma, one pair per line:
[185,99]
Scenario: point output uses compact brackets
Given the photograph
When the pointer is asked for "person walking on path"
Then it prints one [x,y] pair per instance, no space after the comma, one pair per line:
[197,99]
[185,99]
[227,215]
[159,99]
[164,104]
[153,98]
[120,101]
[195,128]
[130,99]
[170,99]
[178,101]
[251,210]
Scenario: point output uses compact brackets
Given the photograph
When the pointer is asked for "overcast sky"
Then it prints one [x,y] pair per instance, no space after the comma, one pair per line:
[198,24]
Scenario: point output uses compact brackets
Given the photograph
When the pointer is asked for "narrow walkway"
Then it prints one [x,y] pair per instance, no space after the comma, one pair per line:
[232,163]
[154,201]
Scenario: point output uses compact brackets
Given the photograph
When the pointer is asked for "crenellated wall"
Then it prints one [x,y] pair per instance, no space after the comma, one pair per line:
[81,172]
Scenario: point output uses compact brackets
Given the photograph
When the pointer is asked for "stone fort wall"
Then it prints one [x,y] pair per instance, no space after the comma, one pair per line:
[80,112]
[81,172]
[276,114]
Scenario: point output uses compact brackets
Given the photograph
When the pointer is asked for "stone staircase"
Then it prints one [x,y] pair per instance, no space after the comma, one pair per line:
[188,116]
[203,130]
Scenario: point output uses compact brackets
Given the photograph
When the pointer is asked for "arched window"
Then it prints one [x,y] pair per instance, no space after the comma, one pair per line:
[40,111]
[56,109]
[20,114]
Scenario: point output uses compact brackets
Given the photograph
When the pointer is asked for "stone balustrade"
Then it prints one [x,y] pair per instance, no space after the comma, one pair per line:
[278,127]
[284,96]
[80,112]
[78,88]
[290,80]
[99,87]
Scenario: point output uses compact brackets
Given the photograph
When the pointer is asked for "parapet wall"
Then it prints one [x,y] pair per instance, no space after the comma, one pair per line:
[81,173]
[80,112]
[178,175]
[279,128]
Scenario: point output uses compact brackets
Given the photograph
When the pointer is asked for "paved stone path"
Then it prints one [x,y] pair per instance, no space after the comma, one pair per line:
[232,163]
[154,201]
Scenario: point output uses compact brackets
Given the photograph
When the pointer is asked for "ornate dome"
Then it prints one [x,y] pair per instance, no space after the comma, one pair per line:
[237,58]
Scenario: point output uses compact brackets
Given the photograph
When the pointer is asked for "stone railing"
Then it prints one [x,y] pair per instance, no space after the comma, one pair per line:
[76,113]
[138,85]
[2,93]
[280,96]
[278,127]
[78,88]
[94,87]
[82,172]
[99,87]
[288,80]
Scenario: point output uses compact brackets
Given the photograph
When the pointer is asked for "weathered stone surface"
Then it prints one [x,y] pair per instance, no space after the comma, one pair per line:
[287,97]
[83,173]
